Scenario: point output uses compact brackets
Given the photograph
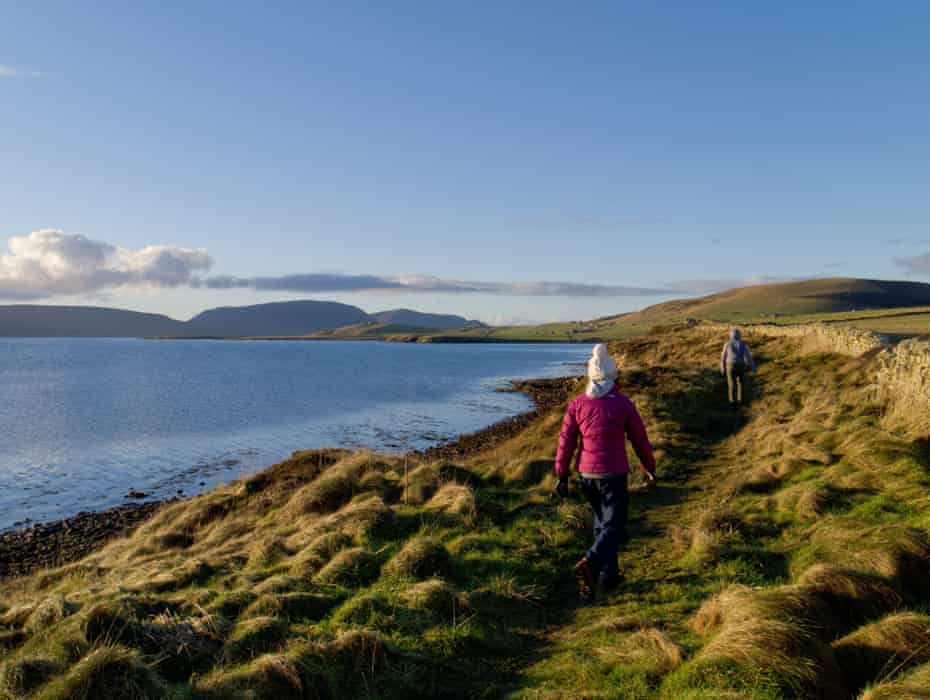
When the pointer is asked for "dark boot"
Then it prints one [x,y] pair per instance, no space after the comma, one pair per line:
[608,584]
[587,584]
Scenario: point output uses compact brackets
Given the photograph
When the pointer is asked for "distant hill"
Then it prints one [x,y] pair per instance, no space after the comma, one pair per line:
[797,298]
[410,318]
[278,318]
[27,320]
[855,301]
[288,318]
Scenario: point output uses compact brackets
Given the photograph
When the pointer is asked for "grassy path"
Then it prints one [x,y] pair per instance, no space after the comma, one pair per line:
[687,411]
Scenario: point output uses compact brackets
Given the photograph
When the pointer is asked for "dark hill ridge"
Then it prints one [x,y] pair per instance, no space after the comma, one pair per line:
[83,322]
[288,318]
[408,317]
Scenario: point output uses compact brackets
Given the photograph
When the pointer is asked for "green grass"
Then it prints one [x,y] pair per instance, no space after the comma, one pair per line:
[776,530]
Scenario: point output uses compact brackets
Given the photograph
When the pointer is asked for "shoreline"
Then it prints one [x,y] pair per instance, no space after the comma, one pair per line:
[58,542]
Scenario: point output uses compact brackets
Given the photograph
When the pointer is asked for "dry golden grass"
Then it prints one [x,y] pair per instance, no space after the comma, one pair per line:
[884,648]
[107,672]
[796,656]
[649,647]
[351,567]
[20,677]
[910,686]
[362,649]
[456,501]
[419,558]
[421,483]
[254,636]
[436,596]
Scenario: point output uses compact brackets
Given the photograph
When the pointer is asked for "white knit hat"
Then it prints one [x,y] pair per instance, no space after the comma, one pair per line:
[601,366]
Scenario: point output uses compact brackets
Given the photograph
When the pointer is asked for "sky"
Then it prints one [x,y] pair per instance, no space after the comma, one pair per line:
[507,161]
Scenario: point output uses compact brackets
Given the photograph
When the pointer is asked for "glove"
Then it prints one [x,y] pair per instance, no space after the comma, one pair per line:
[562,487]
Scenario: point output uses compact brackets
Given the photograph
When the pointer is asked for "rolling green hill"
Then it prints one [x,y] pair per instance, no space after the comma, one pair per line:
[887,306]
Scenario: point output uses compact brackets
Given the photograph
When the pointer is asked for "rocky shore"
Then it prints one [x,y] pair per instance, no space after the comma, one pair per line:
[546,394]
[56,543]
[63,541]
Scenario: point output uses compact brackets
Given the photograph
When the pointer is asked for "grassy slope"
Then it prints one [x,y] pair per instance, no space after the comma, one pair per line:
[890,307]
[373,330]
[774,561]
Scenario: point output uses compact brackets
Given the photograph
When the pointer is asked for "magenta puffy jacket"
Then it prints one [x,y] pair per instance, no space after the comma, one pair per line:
[602,424]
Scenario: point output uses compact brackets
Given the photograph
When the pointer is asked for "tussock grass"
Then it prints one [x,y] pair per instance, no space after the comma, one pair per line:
[884,648]
[420,557]
[435,596]
[107,672]
[901,555]
[351,567]
[852,596]
[253,637]
[330,491]
[910,686]
[49,612]
[267,552]
[231,604]
[318,553]
[268,676]
[366,515]
[648,648]
[808,501]
[456,501]
[280,583]
[17,616]
[20,677]
[291,606]
[784,652]
[361,649]
[421,483]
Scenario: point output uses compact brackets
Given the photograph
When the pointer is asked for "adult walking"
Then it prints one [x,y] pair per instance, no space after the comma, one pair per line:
[735,360]
[597,424]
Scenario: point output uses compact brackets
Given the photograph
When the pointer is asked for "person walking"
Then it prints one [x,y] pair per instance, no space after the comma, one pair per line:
[734,361]
[597,424]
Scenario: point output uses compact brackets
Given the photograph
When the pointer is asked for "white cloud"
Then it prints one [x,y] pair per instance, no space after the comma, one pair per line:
[916,265]
[330,282]
[712,286]
[7,71]
[50,262]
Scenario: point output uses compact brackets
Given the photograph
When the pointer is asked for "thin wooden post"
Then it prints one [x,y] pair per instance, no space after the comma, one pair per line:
[406,480]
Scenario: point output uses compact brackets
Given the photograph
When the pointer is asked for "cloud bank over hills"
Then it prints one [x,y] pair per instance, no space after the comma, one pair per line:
[51,263]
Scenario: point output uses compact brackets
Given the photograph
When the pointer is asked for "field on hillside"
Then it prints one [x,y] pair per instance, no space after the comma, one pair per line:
[897,308]
[784,554]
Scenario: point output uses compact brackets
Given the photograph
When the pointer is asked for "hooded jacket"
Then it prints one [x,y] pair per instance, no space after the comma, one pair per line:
[598,428]
[735,351]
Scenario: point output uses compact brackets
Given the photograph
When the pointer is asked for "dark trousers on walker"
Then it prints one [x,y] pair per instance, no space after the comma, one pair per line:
[610,502]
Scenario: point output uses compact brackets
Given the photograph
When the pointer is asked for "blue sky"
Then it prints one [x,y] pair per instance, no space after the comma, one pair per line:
[631,147]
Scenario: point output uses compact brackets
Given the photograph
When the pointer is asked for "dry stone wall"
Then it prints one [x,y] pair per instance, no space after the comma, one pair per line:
[845,340]
[903,376]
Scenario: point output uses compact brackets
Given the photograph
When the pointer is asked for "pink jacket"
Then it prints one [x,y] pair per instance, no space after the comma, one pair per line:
[603,424]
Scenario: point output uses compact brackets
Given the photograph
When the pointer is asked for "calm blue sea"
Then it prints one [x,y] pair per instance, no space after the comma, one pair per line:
[83,421]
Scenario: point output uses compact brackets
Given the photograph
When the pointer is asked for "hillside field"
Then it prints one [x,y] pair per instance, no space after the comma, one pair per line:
[898,308]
